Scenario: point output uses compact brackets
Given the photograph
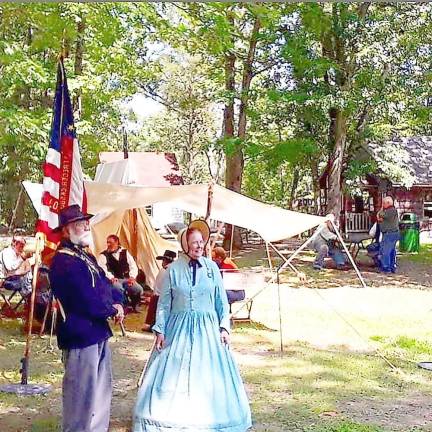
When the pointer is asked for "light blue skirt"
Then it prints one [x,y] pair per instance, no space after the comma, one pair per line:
[194,383]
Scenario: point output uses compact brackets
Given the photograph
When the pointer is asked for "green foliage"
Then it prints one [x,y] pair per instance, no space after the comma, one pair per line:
[369,62]
[187,124]
[99,42]
[413,345]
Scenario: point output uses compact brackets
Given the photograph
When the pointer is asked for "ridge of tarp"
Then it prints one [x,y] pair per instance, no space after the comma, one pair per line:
[270,222]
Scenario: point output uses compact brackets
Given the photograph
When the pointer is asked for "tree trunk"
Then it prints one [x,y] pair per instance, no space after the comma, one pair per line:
[78,66]
[232,180]
[336,164]
[294,186]
[316,185]
[235,161]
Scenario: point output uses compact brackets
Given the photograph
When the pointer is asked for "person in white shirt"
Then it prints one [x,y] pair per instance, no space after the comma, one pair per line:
[15,269]
[324,245]
[167,258]
[120,268]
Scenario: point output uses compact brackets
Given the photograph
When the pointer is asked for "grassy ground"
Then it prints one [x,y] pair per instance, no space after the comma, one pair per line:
[332,376]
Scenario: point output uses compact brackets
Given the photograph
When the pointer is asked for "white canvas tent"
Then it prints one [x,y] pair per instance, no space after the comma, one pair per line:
[131,225]
[270,222]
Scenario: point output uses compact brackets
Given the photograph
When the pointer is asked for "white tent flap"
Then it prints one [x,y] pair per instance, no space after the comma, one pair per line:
[270,222]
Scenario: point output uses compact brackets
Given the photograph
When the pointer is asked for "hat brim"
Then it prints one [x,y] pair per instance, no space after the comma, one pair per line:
[84,217]
[199,224]
[163,257]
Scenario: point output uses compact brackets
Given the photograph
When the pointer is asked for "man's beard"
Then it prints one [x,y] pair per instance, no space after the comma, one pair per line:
[85,239]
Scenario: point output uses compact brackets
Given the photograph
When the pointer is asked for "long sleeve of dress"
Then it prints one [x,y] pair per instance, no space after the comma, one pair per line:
[221,301]
[164,304]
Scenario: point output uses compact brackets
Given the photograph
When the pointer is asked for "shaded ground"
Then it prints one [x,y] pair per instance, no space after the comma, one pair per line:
[330,377]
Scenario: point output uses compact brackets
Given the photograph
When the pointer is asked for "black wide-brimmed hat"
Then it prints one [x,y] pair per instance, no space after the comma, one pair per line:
[168,255]
[71,214]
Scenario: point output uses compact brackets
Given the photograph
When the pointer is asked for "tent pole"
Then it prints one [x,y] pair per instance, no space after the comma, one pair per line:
[349,255]
[207,216]
[303,246]
[209,201]
[40,242]
[269,257]
[231,241]
[15,210]
[290,265]
[216,237]
[288,261]
[280,312]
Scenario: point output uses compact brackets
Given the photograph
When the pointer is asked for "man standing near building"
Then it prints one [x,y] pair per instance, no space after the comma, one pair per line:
[86,299]
[121,269]
[388,221]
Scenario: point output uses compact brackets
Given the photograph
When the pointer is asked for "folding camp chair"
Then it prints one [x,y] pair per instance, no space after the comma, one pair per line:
[249,282]
[7,299]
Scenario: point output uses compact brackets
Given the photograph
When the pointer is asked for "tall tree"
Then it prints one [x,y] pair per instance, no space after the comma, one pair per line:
[103,64]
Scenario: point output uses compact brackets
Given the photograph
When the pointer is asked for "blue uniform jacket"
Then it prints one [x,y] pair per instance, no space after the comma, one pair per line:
[85,294]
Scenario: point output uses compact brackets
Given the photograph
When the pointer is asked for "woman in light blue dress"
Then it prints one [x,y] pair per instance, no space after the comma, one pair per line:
[192,382]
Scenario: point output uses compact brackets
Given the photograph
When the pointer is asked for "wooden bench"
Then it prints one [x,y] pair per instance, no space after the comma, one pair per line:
[357,226]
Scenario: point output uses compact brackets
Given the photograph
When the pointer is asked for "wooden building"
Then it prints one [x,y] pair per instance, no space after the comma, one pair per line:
[416,156]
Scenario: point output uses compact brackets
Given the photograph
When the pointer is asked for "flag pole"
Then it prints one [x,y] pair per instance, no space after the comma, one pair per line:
[24,388]
[25,360]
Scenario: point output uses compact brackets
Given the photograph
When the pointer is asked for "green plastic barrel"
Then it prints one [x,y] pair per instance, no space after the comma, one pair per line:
[409,236]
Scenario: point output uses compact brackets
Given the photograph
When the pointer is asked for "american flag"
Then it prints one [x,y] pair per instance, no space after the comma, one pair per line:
[63,178]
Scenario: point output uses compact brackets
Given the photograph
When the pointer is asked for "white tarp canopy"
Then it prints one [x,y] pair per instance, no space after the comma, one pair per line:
[131,225]
[270,222]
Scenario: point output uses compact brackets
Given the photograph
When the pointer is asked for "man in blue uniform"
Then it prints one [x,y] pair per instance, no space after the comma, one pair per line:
[85,295]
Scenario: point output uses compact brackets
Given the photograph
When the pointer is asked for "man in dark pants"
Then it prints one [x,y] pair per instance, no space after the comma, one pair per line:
[121,269]
[388,221]
[85,295]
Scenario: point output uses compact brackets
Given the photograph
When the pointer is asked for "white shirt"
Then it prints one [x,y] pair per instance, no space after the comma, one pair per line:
[157,288]
[133,269]
[10,261]
[327,234]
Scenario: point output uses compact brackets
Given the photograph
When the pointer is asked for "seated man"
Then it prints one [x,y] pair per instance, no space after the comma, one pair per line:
[121,269]
[15,269]
[225,264]
[324,245]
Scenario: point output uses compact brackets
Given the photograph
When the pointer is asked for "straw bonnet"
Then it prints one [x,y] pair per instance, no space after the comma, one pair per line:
[198,224]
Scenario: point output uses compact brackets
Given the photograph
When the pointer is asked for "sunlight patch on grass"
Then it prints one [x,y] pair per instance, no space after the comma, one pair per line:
[46,425]
[423,257]
[345,427]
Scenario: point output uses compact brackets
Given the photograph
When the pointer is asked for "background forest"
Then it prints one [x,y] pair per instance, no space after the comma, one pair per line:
[260,98]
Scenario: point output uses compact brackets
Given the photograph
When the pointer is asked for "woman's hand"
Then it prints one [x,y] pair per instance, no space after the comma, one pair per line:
[224,337]
[160,342]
